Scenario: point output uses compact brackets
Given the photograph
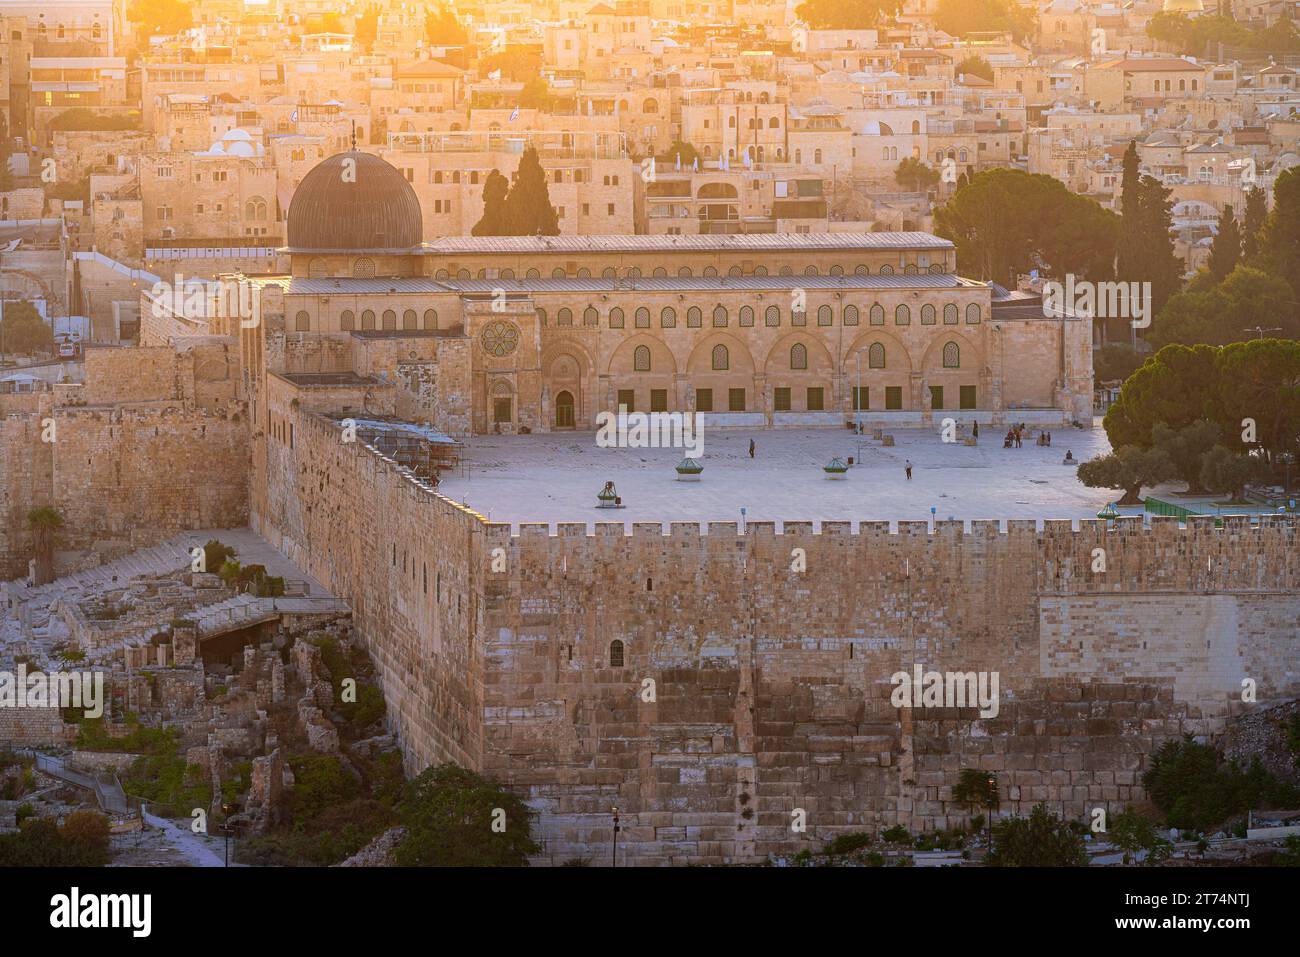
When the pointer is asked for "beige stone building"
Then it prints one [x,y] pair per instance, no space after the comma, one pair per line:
[544,333]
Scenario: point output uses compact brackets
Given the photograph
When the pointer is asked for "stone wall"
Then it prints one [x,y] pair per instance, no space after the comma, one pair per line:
[771,686]
[139,474]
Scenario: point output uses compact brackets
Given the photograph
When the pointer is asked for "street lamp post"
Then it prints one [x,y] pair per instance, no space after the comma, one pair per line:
[226,811]
[614,810]
[992,798]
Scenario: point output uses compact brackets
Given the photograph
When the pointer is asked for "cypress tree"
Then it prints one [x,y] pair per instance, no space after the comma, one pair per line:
[6,177]
[1226,251]
[493,222]
[528,207]
[1256,212]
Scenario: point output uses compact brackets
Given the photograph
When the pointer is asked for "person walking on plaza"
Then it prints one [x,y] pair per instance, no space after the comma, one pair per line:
[751,448]
[975,430]
[908,466]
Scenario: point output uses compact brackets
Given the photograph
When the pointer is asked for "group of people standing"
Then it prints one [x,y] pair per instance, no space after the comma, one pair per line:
[1015,437]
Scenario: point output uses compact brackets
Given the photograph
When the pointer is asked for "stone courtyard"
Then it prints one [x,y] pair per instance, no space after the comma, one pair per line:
[555,478]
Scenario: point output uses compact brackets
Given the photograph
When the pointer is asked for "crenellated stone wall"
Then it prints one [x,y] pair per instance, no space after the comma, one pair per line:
[753,675]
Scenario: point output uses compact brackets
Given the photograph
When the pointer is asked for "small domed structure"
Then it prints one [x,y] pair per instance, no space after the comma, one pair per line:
[688,470]
[354,201]
[835,468]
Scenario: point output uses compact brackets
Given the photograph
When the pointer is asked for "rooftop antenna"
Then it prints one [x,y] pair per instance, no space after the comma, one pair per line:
[354,136]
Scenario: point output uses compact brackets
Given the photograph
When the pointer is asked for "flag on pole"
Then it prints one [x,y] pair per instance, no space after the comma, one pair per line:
[514,114]
[494,75]
[679,162]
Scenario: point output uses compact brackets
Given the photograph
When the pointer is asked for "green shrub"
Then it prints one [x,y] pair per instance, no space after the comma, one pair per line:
[1041,840]
[450,815]
[847,844]
[896,835]
[1196,791]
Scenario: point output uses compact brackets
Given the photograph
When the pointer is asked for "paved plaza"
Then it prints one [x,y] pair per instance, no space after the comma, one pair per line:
[555,478]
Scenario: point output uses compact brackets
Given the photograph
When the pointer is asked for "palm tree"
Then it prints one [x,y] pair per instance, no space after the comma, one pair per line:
[44,523]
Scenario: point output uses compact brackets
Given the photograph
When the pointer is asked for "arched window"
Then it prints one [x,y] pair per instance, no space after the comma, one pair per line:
[709,271]
[916,127]
[798,356]
[886,270]
[584,272]
[634,272]
[772,317]
[760,270]
[786,271]
[363,268]
[810,271]
[302,321]
[685,272]
[910,269]
[507,273]
[390,319]
[694,318]
[746,316]
[590,317]
[877,315]
[541,317]
[719,317]
[347,320]
[410,320]
[735,271]
[659,272]
[616,318]
[837,270]
[721,359]
[317,268]
[850,315]
[825,315]
[368,319]
[609,272]
[951,355]
[641,359]
[817,156]
[650,106]
[463,274]
[564,317]
[950,314]
[862,269]
[902,316]
[668,318]
[773,124]
[532,274]
[616,654]
[557,273]
[876,356]
[441,274]
[972,314]
[431,318]
[928,315]
[641,318]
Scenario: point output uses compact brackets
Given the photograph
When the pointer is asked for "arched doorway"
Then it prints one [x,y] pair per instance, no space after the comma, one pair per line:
[564,417]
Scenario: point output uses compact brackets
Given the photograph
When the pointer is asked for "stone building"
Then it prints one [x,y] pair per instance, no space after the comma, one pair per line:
[750,330]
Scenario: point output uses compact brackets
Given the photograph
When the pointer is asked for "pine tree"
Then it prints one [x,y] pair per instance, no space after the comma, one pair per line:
[1256,212]
[528,207]
[1226,251]
[493,222]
